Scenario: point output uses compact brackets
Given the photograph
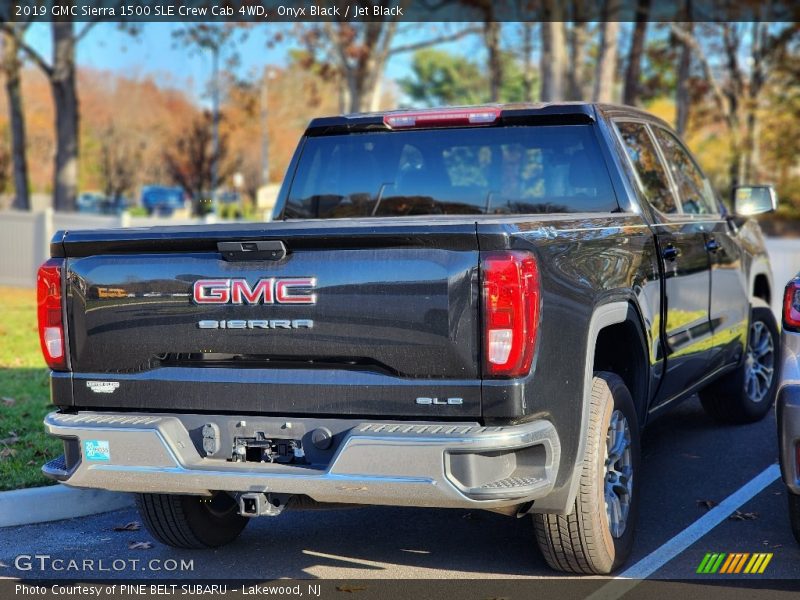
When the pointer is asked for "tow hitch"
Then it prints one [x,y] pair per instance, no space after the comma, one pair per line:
[260,505]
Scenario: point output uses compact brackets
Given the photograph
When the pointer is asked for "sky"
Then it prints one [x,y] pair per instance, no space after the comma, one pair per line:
[154,51]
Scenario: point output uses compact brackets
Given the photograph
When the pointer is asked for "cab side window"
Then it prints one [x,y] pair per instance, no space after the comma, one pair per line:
[694,190]
[652,175]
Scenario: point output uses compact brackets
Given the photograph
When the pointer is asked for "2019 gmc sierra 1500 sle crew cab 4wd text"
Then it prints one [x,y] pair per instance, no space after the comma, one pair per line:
[473,307]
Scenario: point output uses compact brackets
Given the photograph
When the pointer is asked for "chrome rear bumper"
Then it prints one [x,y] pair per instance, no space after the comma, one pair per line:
[390,463]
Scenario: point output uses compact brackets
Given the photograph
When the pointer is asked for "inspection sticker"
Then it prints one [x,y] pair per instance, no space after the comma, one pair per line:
[96,450]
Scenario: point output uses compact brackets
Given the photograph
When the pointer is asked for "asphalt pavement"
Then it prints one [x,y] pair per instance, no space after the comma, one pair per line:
[690,464]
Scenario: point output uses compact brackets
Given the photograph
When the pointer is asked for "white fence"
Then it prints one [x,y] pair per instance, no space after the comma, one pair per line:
[25,238]
[784,255]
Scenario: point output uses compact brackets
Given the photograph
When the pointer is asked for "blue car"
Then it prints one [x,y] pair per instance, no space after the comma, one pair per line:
[162,200]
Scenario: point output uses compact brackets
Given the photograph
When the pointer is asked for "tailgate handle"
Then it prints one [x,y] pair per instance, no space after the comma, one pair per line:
[263,250]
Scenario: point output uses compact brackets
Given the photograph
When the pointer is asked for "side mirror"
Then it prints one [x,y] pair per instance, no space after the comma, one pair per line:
[751,200]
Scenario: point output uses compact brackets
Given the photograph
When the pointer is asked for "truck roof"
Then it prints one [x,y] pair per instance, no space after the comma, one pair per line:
[569,112]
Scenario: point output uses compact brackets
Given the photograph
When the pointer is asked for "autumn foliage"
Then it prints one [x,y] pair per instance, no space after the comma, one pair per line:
[132,125]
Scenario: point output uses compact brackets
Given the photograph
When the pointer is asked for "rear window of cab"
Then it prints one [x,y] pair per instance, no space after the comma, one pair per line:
[470,170]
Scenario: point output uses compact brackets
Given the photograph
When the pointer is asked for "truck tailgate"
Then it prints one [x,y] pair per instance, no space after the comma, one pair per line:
[369,321]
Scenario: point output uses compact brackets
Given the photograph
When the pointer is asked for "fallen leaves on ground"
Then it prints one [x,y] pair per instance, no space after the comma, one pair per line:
[6,452]
[139,545]
[132,526]
[743,516]
[12,438]
[707,504]
[8,401]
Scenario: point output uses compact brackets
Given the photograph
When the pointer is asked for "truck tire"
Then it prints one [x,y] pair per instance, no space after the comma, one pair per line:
[794,515]
[596,537]
[191,521]
[746,394]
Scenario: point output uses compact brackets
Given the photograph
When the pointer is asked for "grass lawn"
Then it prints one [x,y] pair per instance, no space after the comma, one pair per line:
[24,394]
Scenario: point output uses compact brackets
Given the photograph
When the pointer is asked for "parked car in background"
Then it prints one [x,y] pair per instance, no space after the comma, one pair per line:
[100,204]
[162,200]
[89,202]
[789,402]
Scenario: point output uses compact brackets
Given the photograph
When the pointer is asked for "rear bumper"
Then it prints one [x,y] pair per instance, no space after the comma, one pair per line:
[389,463]
[788,410]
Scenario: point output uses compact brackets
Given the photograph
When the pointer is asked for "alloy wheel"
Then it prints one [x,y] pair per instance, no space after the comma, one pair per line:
[760,362]
[618,483]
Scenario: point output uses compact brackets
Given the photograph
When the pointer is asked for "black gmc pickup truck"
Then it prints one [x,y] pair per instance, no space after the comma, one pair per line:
[471,308]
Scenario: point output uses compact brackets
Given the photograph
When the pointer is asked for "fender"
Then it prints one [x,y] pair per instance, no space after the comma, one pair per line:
[760,265]
[561,501]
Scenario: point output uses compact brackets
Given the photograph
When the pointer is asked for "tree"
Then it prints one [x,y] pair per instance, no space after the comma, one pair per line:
[491,37]
[441,78]
[553,56]
[354,54]
[527,61]
[633,72]
[576,66]
[607,55]
[120,160]
[682,94]
[781,130]
[190,160]
[491,33]
[60,72]
[16,117]
[737,94]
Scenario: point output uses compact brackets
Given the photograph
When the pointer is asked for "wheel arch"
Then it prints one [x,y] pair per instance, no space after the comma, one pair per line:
[762,288]
[614,318]
[760,281]
[621,348]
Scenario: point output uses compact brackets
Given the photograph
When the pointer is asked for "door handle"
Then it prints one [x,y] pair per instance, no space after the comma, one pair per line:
[713,245]
[670,253]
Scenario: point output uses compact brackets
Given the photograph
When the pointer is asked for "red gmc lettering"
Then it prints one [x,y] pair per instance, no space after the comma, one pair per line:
[264,291]
[284,288]
[211,291]
[242,294]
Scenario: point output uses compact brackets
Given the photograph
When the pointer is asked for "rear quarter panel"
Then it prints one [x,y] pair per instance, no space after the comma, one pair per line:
[585,261]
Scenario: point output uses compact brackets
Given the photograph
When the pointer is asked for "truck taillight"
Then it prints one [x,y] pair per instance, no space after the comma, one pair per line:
[510,312]
[791,306]
[51,324]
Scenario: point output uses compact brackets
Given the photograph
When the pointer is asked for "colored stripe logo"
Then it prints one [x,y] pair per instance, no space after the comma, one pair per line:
[734,563]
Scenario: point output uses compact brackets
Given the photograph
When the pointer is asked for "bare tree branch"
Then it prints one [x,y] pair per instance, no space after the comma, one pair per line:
[37,58]
[86,28]
[442,39]
[690,40]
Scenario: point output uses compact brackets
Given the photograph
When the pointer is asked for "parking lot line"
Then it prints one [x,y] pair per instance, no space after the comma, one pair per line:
[669,550]
[665,553]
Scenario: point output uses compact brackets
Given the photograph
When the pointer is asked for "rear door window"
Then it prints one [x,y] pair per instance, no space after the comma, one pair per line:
[652,174]
[490,170]
[695,191]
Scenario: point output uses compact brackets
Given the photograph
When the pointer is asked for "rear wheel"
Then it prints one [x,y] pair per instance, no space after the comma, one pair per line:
[191,521]
[596,538]
[747,394]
